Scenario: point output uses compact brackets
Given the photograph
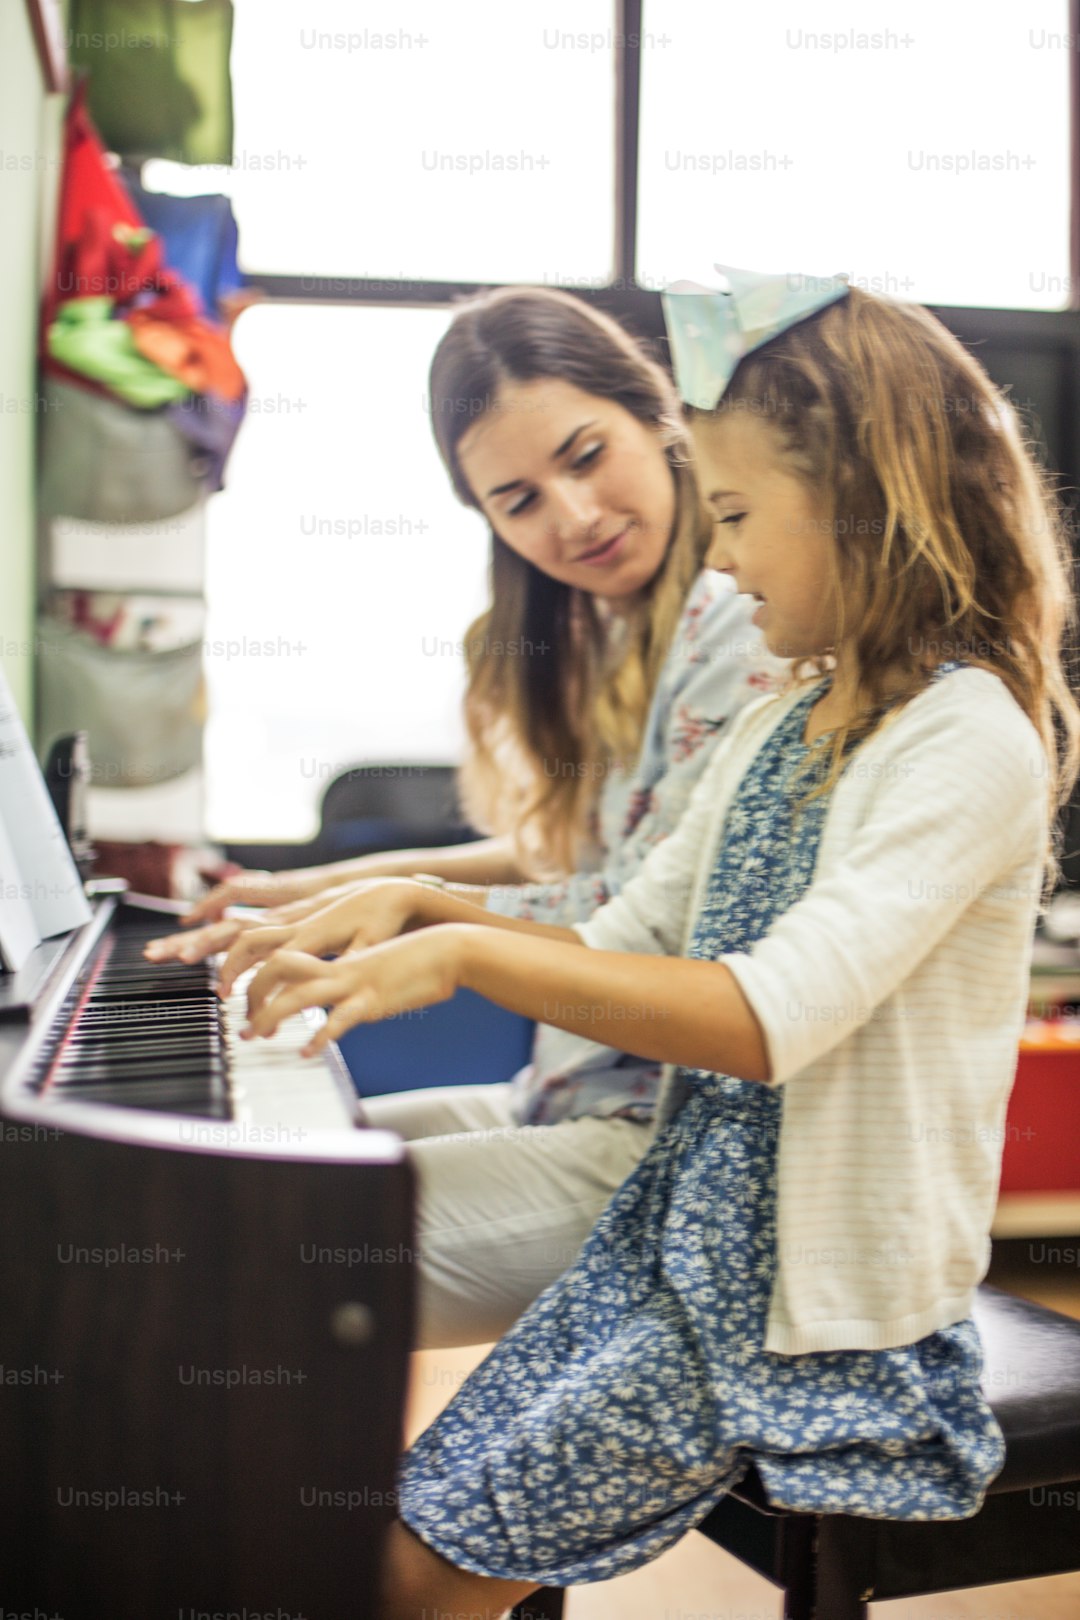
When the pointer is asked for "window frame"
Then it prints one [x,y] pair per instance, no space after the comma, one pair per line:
[639,307]
[1047,332]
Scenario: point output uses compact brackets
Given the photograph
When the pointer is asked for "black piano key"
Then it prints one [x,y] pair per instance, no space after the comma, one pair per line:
[199,1039]
[194,1100]
[145,1035]
[140,1040]
[186,1063]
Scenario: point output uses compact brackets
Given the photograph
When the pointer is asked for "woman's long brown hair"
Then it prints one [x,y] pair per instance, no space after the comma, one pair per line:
[949,541]
[553,697]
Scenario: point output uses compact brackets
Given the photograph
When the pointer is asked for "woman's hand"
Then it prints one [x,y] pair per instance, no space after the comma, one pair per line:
[196,944]
[364,914]
[260,889]
[385,981]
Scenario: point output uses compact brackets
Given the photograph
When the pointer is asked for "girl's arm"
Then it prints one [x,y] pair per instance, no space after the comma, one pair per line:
[957,802]
[668,1009]
[955,816]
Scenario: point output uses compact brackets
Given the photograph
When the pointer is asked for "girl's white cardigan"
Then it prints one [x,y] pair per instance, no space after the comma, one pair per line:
[891,998]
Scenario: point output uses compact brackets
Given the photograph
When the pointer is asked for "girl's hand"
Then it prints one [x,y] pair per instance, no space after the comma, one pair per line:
[196,944]
[386,981]
[364,914]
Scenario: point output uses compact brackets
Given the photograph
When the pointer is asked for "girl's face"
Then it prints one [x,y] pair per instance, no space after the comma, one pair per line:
[573,483]
[770,534]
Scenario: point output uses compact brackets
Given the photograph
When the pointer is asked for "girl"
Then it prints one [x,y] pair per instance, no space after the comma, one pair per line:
[832,951]
[584,749]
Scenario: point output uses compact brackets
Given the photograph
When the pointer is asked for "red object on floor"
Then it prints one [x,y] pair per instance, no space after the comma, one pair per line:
[1042,1125]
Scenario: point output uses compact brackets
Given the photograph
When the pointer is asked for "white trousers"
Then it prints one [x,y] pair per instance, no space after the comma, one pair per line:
[503,1209]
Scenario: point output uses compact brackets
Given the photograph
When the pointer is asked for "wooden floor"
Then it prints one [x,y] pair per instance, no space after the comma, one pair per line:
[697,1581]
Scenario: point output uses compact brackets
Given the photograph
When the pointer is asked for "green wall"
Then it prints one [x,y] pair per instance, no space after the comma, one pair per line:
[30,146]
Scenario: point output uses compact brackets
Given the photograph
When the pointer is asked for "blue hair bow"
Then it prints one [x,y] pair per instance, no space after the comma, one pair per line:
[710,329]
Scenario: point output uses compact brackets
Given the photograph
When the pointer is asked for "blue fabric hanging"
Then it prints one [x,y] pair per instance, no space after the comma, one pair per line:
[200,239]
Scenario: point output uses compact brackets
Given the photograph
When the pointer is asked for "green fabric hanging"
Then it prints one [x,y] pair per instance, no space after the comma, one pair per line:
[159,76]
[86,339]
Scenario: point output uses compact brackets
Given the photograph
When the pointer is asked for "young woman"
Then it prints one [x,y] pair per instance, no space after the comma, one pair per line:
[833,949]
[603,669]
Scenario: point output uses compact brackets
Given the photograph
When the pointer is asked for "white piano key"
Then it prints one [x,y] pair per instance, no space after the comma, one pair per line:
[271,1085]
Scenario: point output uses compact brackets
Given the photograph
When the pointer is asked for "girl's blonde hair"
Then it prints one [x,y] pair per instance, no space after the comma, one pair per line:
[557,692]
[948,541]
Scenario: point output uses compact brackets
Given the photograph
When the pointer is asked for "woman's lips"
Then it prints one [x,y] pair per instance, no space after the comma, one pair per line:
[607,552]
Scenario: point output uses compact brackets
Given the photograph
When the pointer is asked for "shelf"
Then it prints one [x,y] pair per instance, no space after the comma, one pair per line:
[1021,1215]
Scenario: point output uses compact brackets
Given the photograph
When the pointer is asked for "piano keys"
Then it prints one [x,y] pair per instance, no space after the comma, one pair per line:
[114,1031]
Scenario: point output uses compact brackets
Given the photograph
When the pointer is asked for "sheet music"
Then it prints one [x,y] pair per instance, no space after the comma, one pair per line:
[18,930]
[40,887]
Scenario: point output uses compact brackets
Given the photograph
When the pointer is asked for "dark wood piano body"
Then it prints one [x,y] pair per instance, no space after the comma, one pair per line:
[216,1329]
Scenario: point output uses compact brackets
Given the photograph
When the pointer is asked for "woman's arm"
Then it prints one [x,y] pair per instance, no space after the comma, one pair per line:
[479,863]
[482,861]
[716,666]
[347,917]
[367,915]
[648,917]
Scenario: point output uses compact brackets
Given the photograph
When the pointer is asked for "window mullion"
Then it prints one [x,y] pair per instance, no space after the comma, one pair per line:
[627,138]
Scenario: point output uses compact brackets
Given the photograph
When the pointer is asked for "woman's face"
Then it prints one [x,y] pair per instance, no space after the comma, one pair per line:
[573,483]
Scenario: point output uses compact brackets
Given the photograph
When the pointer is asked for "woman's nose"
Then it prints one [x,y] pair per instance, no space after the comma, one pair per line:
[575,511]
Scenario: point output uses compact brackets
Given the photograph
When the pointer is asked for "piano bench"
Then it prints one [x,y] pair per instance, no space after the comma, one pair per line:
[830,1566]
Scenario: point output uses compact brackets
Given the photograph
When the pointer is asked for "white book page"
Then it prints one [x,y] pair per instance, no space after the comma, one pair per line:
[18,930]
[43,868]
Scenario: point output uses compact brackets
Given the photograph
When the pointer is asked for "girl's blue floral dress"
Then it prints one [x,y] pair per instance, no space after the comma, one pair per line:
[635,1392]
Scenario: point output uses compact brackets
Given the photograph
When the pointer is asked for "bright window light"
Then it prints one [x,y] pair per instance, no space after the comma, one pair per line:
[923,148]
[422,142]
[342,571]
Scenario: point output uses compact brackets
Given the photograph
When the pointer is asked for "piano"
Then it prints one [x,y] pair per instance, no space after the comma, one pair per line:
[104,1028]
[206,1297]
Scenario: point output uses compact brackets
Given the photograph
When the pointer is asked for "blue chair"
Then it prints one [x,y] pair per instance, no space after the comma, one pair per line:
[467,1040]
[464,1041]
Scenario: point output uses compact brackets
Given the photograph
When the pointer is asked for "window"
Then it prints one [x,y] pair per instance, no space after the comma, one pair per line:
[428,141]
[342,571]
[923,148]
[928,156]
[398,144]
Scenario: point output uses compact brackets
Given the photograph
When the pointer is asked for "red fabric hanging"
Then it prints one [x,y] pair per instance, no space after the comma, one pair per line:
[104,249]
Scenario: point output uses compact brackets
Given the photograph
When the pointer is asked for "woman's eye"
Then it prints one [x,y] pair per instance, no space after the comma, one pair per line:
[584,460]
[589,455]
[732,517]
